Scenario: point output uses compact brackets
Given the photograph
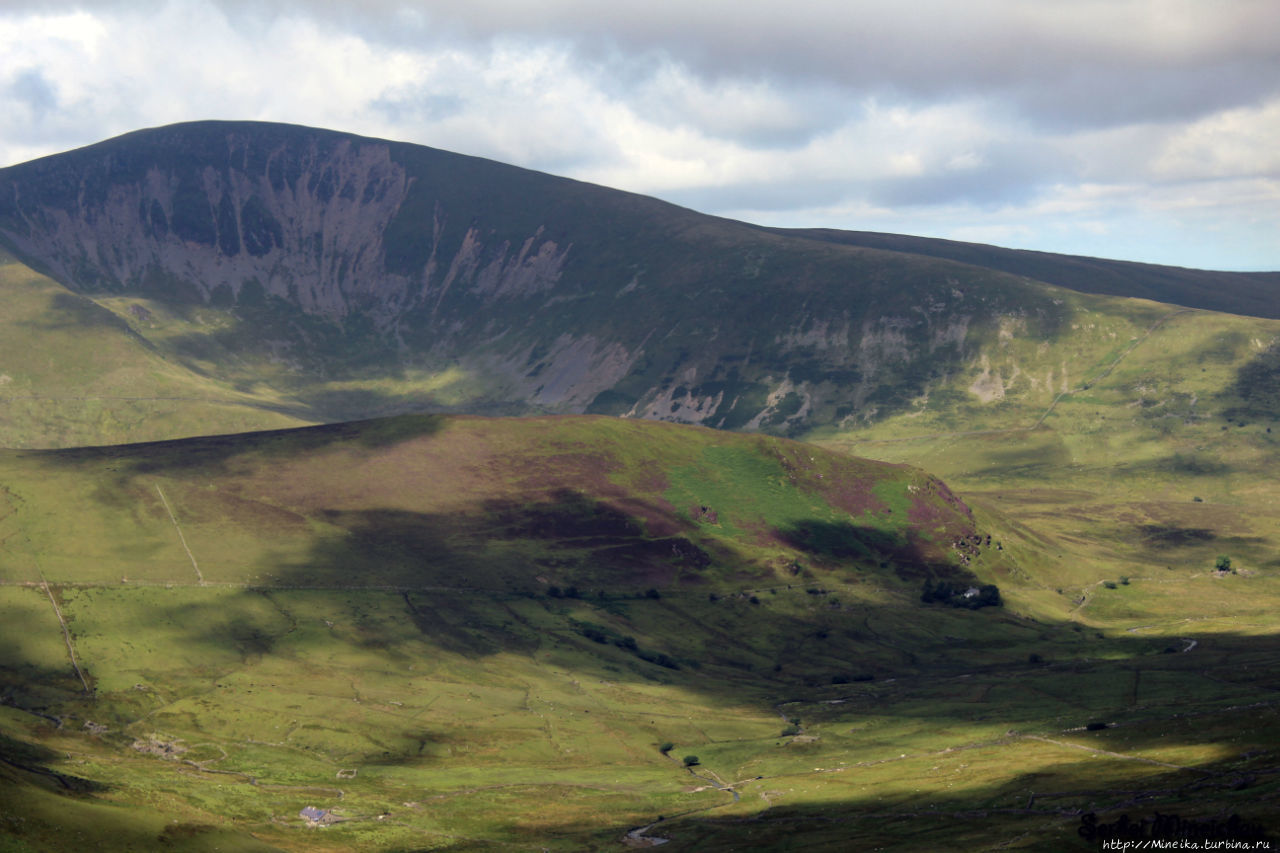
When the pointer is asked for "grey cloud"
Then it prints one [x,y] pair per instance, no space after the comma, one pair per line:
[980,188]
[1098,63]
[31,88]
[1006,174]
[416,105]
[1091,63]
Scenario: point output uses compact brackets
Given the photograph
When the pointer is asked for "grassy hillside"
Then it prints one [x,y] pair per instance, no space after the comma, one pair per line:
[469,633]
[73,373]
[461,633]
[363,277]
[1142,445]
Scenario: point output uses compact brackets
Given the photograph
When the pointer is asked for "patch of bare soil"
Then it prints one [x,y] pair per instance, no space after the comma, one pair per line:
[158,746]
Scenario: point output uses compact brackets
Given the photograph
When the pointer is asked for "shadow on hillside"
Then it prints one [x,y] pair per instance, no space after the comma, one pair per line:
[71,311]
[476,594]
[33,761]
[503,547]
[1054,807]
[761,615]
[217,453]
[1255,392]
[1171,536]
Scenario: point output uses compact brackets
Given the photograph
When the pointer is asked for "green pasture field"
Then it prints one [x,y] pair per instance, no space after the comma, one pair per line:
[374,630]
[72,373]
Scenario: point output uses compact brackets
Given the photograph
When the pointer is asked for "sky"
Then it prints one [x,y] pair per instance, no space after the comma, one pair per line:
[1144,130]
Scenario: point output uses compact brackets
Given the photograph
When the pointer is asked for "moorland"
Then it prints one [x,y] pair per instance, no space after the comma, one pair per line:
[471,508]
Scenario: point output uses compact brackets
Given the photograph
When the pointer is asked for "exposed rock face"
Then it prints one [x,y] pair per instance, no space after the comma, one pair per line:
[558,296]
[303,219]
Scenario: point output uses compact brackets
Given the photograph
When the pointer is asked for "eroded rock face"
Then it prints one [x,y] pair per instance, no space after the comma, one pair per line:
[300,217]
[554,295]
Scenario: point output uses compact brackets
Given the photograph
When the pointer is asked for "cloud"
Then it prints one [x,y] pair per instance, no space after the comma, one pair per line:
[1063,122]
[30,88]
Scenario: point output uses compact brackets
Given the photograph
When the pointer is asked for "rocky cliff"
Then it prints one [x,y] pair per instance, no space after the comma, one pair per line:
[554,295]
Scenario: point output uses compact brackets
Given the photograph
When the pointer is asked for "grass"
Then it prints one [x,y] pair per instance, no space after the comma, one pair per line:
[375,634]
[74,374]
[360,616]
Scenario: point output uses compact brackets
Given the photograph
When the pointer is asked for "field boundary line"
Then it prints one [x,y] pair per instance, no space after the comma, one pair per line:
[181,538]
[1108,752]
[66,632]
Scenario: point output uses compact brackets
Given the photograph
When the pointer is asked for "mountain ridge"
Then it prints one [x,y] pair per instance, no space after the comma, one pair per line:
[328,256]
[1251,293]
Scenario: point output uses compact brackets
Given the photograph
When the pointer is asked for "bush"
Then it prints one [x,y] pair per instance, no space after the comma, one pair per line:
[1109,584]
[789,731]
[691,761]
[1223,564]
[666,747]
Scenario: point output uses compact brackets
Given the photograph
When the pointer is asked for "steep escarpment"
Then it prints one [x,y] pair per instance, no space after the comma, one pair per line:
[341,257]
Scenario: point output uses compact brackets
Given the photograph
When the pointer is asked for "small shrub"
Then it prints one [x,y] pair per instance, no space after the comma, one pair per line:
[789,731]
[691,761]
[1096,727]
[1109,584]
[666,747]
[1124,581]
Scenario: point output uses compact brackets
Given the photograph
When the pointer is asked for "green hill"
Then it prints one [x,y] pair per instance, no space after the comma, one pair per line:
[468,632]
[367,581]
[1255,294]
[459,632]
[73,373]
[360,277]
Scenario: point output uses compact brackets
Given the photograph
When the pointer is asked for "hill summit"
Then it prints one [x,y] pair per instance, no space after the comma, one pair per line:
[308,258]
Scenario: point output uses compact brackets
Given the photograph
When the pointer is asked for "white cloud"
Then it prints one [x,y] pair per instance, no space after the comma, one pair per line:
[1098,126]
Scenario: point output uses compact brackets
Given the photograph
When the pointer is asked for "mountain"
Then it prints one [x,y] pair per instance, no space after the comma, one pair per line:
[1255,294]
[278,619]
[583,632]
[360,277]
